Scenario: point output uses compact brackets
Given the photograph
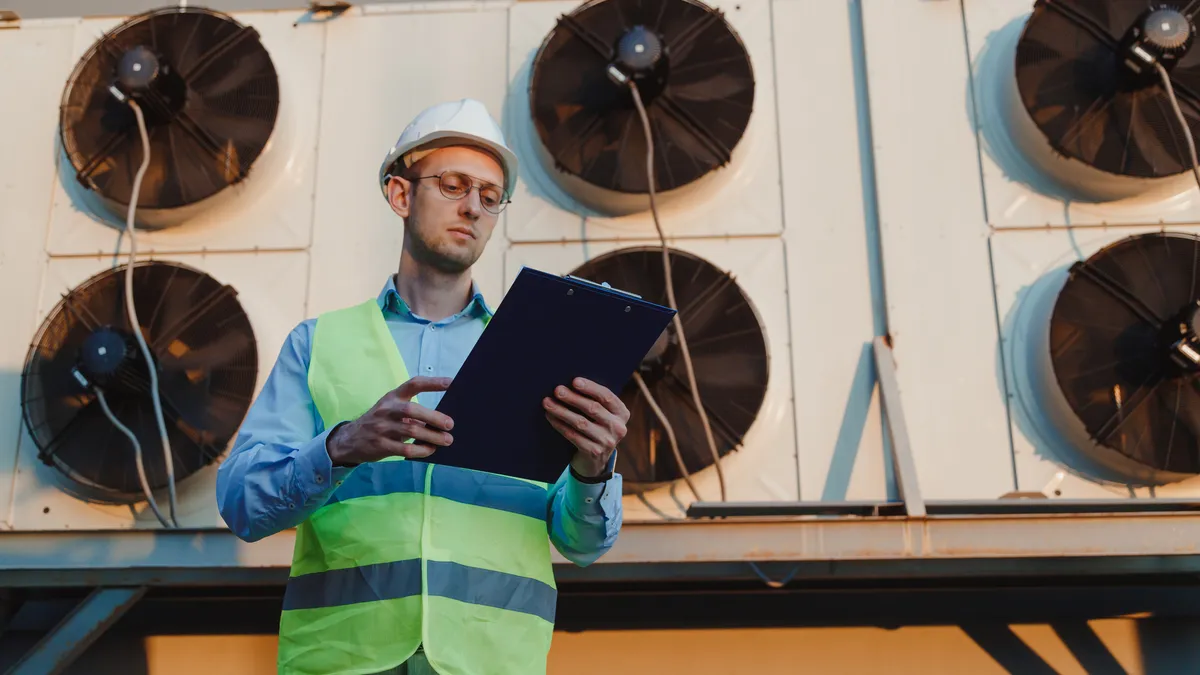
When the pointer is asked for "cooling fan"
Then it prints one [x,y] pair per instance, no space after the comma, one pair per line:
[1086,77]
[728,348]
[207,360]
[210,95]
[1123,358]
[692,72]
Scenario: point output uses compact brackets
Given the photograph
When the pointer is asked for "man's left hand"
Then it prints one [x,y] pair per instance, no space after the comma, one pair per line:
[592,418]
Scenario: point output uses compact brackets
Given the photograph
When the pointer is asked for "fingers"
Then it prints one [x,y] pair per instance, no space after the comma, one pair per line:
[393,448]
[611,402]
[415,411]
[596,411]
[402,431]
[592,433]
[421,384]
[583,443]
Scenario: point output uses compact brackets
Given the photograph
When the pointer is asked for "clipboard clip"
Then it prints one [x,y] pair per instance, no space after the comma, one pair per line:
[603,285]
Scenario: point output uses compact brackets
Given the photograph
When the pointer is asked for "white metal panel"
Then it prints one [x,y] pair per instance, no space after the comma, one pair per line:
[1017,194]
[764,469]
[829,244]
[270,289]
[373,88]
[29,110]
[1030,268]
[745,195]
[271,209]
[940,306]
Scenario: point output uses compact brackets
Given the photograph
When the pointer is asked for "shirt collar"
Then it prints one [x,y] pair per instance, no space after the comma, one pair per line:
[389,300]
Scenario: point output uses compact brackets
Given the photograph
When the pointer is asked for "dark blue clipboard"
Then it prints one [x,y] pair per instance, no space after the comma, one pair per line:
[548,330]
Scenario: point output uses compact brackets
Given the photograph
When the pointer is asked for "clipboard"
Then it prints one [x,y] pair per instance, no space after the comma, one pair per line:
[547,330]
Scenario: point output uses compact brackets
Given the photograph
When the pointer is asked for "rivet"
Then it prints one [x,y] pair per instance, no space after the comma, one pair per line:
[570,291]
[628,308]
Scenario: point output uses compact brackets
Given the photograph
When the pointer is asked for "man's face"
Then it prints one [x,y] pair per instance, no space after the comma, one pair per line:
[447,234]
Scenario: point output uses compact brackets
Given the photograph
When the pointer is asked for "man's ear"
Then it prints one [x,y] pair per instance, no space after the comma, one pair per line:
[400,195]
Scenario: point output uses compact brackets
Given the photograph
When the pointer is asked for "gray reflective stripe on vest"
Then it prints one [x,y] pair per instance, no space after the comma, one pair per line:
[490,491]
[388,581]
[369,583]
[381,478]
[467,487]
[494,589]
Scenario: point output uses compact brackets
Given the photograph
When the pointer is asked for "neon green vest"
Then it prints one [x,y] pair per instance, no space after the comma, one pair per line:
[407,553]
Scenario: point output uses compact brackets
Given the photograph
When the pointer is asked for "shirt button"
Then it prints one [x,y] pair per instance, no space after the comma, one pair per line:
[587,499]
[428,367]
[320,479]
[291,505]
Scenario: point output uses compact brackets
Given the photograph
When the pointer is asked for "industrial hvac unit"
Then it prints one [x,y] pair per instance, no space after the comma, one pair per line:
[1051,307]
[229,107]
[703,76]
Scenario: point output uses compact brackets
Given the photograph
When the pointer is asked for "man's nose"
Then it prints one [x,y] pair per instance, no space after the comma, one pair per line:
[470,206]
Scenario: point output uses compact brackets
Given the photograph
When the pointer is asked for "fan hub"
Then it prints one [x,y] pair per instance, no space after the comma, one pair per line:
[642,55]
[105,352]
[156,86]
[1160,35]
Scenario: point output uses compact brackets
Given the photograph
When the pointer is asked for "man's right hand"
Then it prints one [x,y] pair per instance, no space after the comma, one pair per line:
[383,431]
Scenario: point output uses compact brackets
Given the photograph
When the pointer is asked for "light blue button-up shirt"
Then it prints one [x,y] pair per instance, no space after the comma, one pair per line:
[279,471]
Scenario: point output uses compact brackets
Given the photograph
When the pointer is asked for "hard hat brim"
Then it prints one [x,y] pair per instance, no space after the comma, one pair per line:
[447,139]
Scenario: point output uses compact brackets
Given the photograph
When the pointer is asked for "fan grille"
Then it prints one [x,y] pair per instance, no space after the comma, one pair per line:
[727,343]
[1110,336]
[204,345]
[1090,106]
[699,93]
[210,112]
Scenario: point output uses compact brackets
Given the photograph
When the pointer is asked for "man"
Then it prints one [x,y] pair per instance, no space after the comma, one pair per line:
[401,566]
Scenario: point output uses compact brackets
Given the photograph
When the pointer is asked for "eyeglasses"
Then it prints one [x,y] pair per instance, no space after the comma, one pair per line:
[455,185]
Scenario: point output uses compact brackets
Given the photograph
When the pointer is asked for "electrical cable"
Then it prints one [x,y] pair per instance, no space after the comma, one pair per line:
[137,449]
[135,325]
[1187,132]
[662,418]
[687,358]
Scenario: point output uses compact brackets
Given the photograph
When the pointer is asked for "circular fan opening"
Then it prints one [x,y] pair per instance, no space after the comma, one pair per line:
[203,346]
[1085,86]
[728,346]
[694,77]
[1124,356]
[210,96]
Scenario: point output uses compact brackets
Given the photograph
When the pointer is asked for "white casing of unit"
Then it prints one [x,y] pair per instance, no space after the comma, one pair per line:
[740,198]
[1016,159]
[266,284]
[764,467]
[271,209]
[1030,269]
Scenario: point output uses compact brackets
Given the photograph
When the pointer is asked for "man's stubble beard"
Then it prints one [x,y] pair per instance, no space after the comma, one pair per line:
[455,262]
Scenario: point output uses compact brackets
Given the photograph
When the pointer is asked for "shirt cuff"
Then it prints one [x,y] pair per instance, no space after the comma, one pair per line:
[316,477]
[584,498]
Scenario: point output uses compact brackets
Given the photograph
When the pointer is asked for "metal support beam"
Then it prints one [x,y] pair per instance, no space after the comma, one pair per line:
[902,458]
[77,631]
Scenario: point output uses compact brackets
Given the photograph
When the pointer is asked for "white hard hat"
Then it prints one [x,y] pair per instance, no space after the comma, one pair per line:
[463,122]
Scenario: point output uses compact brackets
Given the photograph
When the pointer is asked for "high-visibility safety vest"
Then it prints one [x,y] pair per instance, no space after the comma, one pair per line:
[407,554]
